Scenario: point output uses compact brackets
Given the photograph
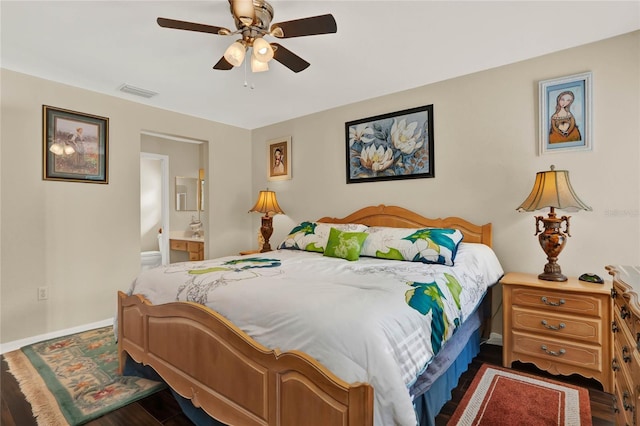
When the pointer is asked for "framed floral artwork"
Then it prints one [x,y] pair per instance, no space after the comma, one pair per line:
[392,146]
[565,114]
[279,157]
[75,146]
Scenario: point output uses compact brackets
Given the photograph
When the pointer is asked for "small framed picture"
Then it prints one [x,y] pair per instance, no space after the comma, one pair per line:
[75,146]
[565,114]
[279,156]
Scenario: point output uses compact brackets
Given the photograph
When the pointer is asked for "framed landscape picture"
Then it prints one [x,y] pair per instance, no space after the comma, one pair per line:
[565,114]
[392,146]
[75,146]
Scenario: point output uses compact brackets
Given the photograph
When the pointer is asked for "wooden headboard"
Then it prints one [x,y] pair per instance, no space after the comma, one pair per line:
[399,217]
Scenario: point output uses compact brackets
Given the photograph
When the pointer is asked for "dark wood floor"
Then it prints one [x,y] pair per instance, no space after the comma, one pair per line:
[162,409]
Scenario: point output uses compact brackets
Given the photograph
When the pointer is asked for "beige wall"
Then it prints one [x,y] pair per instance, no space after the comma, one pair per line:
[83,240]
[486,139]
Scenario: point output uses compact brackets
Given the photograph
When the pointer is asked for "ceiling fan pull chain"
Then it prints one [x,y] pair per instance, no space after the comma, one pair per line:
[245,74]
[246,84]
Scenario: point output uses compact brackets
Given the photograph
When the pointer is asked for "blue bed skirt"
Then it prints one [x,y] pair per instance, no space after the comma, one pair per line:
[429,404]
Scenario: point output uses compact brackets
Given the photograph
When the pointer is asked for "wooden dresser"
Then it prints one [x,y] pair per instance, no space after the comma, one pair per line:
[626,331]
[561,327]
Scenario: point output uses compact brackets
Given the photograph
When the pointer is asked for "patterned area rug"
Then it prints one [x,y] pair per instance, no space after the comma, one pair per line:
[499,396]
[73,379]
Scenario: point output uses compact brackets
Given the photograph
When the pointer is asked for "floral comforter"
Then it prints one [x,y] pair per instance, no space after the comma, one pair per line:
[372,320]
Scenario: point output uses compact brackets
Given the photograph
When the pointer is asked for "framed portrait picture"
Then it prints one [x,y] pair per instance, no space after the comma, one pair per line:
[565,114]
[279,156]
[75,146]
[392,146]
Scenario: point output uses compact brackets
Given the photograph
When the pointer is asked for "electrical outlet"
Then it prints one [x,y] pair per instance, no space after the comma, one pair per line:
[43,293]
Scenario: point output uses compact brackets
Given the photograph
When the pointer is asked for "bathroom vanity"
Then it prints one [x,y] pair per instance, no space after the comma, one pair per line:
[194,246]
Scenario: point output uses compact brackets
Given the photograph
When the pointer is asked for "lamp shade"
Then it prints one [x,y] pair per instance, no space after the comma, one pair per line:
[258,66]
[553,189]
[235,53]
[262,50]
[267,203]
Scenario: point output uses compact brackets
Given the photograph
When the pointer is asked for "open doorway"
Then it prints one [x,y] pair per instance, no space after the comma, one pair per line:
[154,204]
[188,157]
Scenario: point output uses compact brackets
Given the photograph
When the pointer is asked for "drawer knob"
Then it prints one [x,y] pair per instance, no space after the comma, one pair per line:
[553,327]
[624,312]
[625,354]
[614,327]
[625,404]
[547,302]
[614,365]
[553,353]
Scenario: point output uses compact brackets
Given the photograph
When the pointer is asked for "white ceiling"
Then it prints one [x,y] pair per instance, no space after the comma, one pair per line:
[381,47]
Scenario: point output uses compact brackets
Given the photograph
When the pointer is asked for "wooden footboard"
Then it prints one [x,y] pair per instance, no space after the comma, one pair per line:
[207,359]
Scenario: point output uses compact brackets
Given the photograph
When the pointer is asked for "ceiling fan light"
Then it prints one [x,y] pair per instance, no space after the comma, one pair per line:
[235,53]
[262,50]
[258,66]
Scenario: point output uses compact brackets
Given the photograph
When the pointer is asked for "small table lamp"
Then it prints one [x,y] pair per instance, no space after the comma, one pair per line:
[552,189]
[267,203]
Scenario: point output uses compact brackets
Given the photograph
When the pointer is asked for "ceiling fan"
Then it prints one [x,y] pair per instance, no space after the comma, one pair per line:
[252,20]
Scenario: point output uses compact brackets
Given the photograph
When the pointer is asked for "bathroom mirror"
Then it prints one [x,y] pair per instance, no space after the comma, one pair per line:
[187,190]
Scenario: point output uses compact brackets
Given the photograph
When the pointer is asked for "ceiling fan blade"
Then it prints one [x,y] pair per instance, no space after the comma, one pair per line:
[322,24]
[192,26]
[289,59]
[222,65]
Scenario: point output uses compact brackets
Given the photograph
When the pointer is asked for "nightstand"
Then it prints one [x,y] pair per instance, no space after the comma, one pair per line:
[560,327]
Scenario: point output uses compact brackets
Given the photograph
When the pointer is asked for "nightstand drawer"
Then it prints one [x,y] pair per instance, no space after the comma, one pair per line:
[559,351]
[558,301]
[563,326]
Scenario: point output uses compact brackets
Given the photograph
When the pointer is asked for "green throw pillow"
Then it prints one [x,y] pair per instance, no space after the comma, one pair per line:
[345,245]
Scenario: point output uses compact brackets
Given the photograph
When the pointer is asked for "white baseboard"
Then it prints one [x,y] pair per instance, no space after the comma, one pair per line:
[495,339]
[17,344]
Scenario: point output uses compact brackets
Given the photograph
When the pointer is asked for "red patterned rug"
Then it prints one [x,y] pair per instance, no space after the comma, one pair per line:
[499,396]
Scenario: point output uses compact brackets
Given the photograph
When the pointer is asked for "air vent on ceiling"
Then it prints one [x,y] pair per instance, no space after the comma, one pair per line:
[126,88]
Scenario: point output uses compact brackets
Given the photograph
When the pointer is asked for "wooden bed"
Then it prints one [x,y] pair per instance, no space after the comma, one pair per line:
[243,382]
